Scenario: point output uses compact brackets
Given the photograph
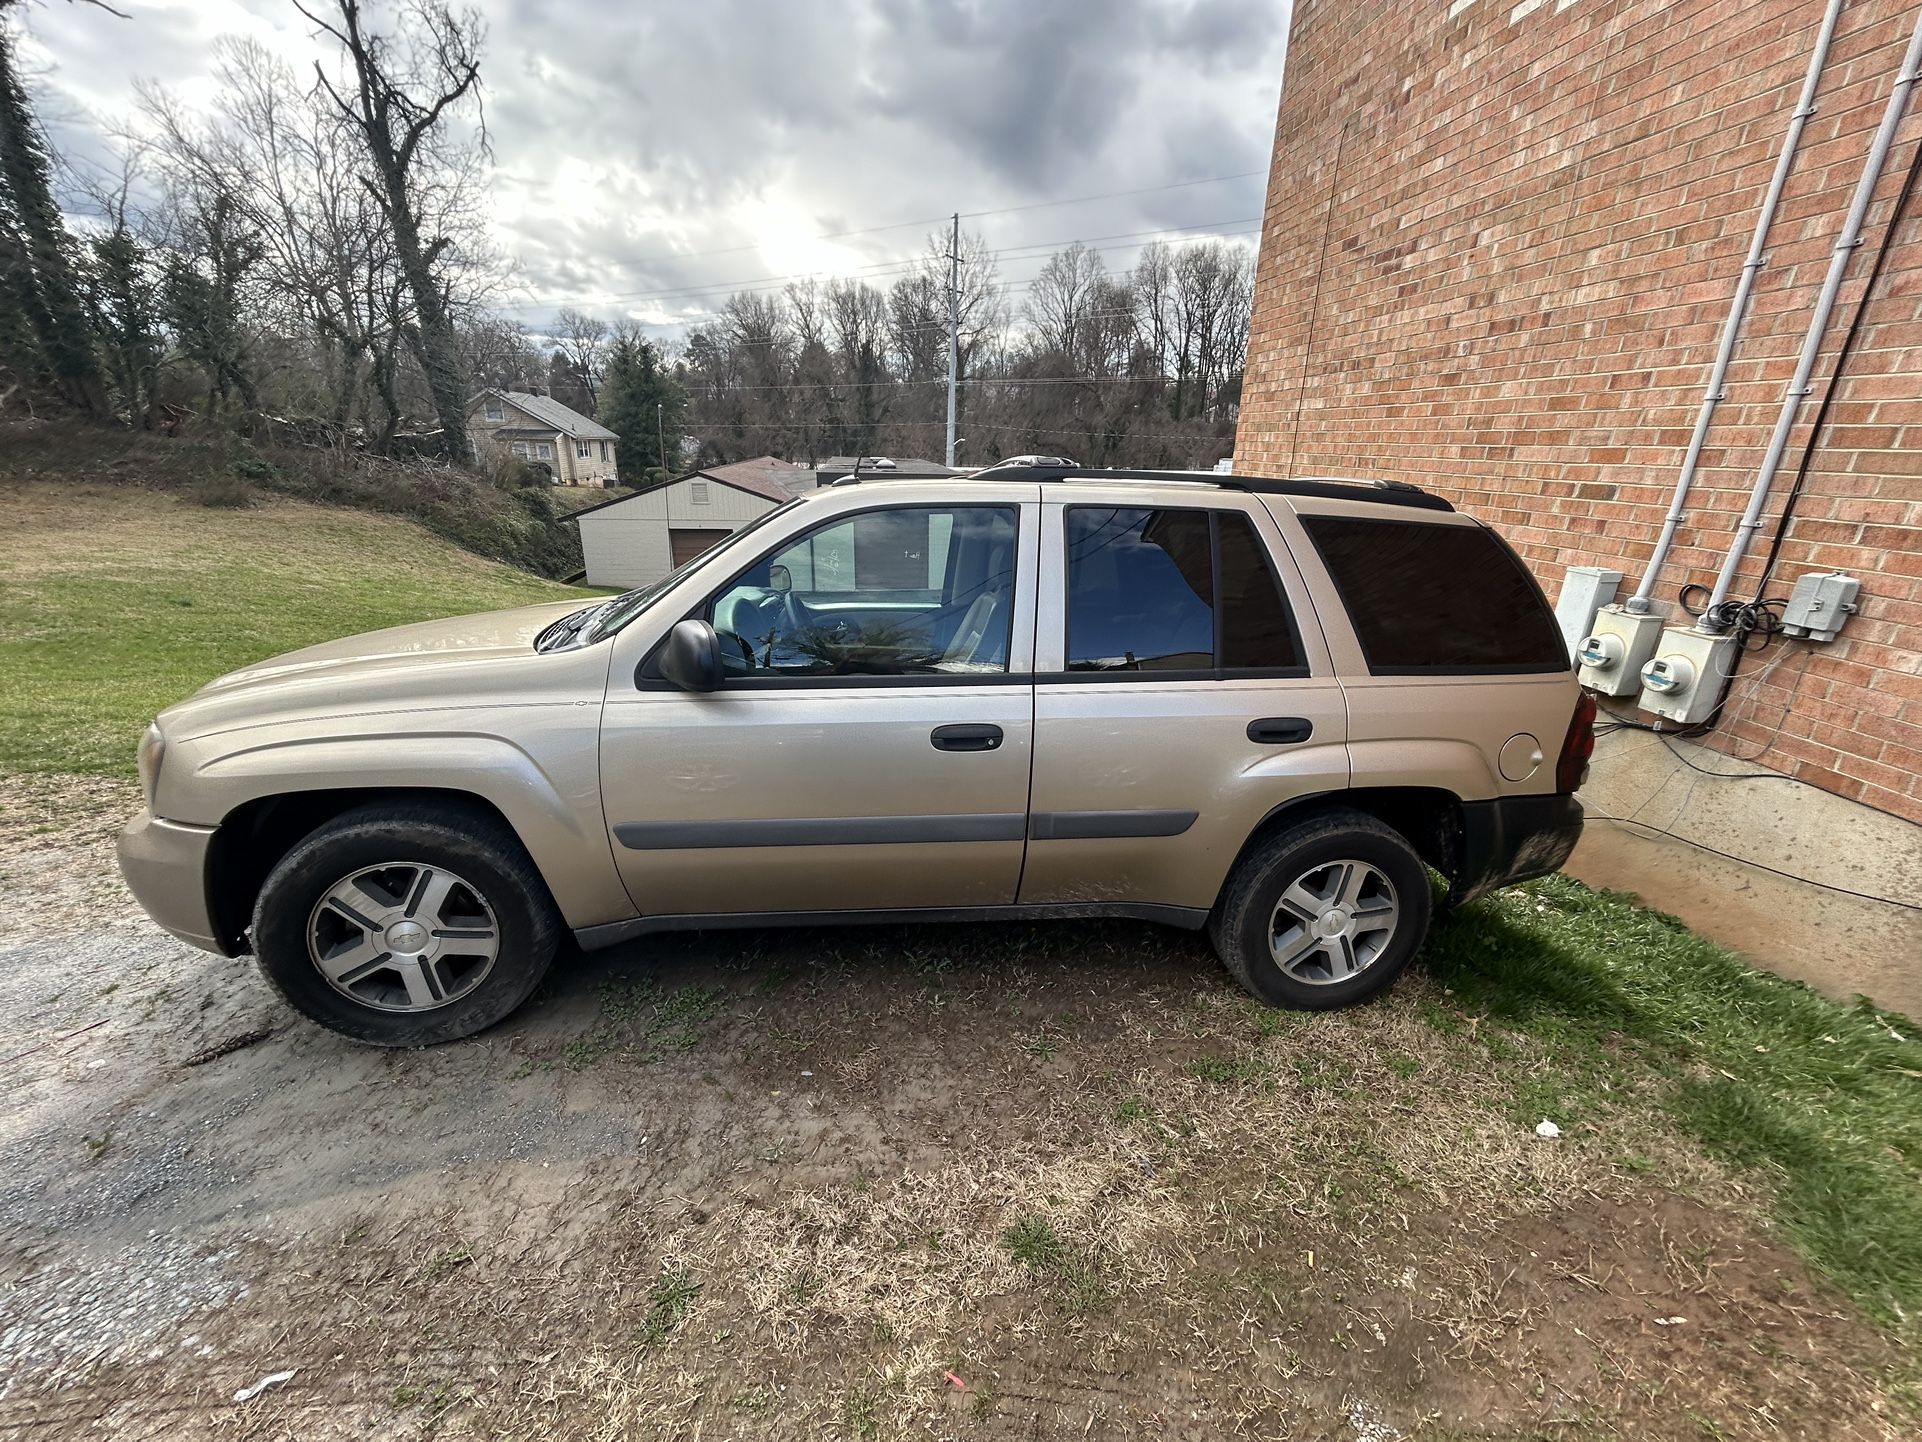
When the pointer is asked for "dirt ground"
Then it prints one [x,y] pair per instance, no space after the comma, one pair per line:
[990,1182]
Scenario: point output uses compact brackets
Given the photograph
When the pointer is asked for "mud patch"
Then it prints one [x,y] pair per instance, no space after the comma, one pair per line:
[989,1182]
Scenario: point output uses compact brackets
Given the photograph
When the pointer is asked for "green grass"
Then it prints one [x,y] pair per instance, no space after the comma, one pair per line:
[645,1022]
[1822,1102]
[115,603]
[668,1303]
[1034,1242]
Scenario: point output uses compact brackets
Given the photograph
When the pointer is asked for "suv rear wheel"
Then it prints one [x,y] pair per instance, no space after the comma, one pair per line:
[406,925]
[1326,913]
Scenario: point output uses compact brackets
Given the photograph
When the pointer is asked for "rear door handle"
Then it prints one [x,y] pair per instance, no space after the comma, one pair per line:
[966,737]
[1280,730]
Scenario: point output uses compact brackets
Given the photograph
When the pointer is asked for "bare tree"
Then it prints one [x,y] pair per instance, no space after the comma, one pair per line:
[582,341]
[1061,296]
[399,97]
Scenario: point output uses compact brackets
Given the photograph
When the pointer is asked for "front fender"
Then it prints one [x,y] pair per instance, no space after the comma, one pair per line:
[551,799]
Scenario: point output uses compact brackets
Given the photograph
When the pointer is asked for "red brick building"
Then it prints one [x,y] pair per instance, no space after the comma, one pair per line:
[1500,248]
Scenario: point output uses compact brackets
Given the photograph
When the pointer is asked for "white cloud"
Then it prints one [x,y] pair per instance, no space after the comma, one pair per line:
[632,142]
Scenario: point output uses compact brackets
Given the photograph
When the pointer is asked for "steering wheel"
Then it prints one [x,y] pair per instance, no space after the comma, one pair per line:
[747,651]
[791,615]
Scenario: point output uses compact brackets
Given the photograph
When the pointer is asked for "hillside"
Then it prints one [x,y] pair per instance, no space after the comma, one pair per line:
[115,602]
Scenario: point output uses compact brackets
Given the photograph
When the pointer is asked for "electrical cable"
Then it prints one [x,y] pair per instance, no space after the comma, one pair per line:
[1816,426]
[938,219]
[1601,815]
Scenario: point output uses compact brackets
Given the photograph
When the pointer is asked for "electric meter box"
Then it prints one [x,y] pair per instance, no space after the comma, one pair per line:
[1585,590]
[1683,680]
[1620,642]
[1819,604]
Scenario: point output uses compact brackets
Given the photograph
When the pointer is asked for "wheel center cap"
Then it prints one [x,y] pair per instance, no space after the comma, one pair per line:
[1333,922]
[407,937]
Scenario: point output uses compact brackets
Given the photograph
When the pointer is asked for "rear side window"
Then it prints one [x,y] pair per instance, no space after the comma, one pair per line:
[1428,599]
[1175,592]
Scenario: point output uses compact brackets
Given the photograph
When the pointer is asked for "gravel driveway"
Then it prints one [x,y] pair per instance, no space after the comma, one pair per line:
[981,1182]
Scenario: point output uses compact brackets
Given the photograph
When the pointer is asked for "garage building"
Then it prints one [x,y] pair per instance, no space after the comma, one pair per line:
[636,540]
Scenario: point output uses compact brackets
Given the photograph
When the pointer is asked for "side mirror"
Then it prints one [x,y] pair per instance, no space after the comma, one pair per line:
[692,656]
[780,580]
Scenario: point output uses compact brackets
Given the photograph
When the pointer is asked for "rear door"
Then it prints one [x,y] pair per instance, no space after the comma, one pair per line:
[1183,691]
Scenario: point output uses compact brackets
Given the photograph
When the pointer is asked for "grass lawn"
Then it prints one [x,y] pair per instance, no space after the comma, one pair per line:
[1660,1056]
[116,602]
[1628,1008]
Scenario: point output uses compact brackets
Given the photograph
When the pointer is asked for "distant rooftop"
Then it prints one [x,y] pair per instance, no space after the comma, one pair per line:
[878,466]
[565,419]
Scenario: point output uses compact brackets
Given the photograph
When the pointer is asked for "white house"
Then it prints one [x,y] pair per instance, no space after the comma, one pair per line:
[637,540]
[577,451]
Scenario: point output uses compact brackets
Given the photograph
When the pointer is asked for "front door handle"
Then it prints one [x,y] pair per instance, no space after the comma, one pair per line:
[1280,730]
[966,737]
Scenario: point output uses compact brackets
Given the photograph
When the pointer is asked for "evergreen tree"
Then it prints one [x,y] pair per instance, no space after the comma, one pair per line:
[638,383]
[39,297]
[205,308]
[124,298]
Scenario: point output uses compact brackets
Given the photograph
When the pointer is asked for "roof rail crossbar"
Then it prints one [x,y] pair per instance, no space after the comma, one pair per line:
[1380,492]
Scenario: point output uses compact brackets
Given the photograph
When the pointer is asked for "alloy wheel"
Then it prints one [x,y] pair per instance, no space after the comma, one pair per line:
[403,936]
[1333,922]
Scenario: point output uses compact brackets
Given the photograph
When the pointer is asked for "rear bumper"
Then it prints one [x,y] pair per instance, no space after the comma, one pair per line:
[1511,839]
[165,866]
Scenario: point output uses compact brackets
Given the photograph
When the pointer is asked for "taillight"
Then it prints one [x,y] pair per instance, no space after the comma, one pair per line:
[1571,770]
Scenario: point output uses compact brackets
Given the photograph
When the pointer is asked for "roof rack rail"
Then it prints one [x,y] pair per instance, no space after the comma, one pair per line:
[1387,493]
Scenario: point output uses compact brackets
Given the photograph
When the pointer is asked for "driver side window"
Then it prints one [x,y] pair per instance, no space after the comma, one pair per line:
[923,590]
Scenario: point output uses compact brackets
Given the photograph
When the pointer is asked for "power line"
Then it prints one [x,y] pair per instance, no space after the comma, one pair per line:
[978,424]
[1044,251]
[753,285]
[890,383]
[965,215]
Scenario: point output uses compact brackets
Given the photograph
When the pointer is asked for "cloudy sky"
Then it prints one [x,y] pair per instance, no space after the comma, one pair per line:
[653,154]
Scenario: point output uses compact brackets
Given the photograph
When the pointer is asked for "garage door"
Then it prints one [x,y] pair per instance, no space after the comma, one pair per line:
[686,545]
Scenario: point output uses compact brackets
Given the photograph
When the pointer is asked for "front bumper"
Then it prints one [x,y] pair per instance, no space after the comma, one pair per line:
[165,866]
[1511,839]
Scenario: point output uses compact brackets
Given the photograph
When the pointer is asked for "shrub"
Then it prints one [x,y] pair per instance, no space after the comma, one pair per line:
[229,493]
[517,525]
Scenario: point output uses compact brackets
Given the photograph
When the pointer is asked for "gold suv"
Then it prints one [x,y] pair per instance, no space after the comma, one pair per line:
[1255,706]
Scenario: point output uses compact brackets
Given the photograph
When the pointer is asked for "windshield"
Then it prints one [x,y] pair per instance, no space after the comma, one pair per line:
[609,616]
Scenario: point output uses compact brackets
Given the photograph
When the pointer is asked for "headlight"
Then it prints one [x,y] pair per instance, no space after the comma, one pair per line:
[152,747]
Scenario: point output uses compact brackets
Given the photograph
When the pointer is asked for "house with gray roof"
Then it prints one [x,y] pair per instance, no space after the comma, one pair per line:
[576,450]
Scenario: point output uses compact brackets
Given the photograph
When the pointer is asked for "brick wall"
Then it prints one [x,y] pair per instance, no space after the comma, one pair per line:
[1499,250]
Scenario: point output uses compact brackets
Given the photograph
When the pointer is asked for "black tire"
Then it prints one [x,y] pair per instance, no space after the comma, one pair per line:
[489,861]
[1241,924]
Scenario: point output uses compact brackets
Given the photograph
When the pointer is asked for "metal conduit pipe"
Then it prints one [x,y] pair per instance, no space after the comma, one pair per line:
[1738,306]
[1798,387]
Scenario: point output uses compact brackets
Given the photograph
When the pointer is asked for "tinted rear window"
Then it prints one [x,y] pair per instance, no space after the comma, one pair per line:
[1428,599]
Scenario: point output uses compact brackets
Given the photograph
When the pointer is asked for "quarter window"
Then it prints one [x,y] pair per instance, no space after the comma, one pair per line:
[1178,592]
[1429,599]
[909,592]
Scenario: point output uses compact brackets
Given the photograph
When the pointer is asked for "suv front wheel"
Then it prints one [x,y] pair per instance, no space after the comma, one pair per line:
[406,925]
[1325,913]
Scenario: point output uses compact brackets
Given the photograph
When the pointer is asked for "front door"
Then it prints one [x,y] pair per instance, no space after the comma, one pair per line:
[1183,691]
[869,747]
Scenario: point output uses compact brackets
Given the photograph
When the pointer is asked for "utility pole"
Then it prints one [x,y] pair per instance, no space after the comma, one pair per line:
[660,433]
[954,327]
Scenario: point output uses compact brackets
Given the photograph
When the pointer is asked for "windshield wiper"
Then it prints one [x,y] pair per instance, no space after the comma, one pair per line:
[567,628]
